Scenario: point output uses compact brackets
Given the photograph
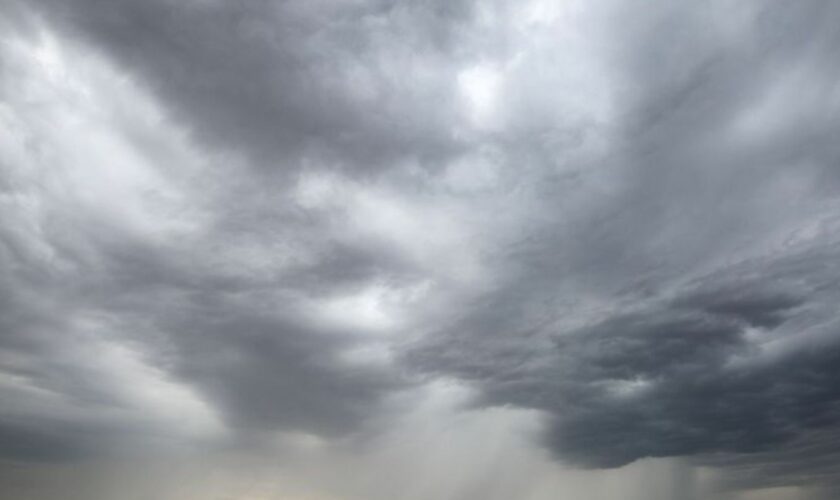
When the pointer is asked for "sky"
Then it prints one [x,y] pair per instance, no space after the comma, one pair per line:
[419,250]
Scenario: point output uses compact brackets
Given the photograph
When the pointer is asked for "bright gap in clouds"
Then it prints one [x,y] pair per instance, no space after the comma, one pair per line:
[481,86]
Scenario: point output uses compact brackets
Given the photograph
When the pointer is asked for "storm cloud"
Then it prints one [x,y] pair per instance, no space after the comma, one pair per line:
[277,227]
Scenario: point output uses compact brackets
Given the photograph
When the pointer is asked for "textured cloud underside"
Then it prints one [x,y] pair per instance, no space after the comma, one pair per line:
[223,220]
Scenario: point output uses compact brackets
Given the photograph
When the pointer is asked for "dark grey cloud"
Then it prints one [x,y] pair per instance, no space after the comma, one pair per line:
[278,81]
[274,375]
[809,459]
[113,330]
[631,322]
[707,371]
[273,217]
[261,365]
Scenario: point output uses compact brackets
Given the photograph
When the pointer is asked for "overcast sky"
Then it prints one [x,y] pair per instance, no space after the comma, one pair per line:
[419,250]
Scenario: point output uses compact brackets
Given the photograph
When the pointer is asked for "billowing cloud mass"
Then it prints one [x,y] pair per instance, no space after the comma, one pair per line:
[493,249]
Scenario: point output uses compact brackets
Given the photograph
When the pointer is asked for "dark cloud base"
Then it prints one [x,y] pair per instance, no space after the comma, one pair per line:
[743,362]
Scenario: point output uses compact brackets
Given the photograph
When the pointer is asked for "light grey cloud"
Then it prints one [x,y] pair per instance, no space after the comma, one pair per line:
[221,223]
[149,307]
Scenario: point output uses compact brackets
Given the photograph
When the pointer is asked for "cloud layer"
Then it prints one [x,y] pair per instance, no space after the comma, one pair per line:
[221,223]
